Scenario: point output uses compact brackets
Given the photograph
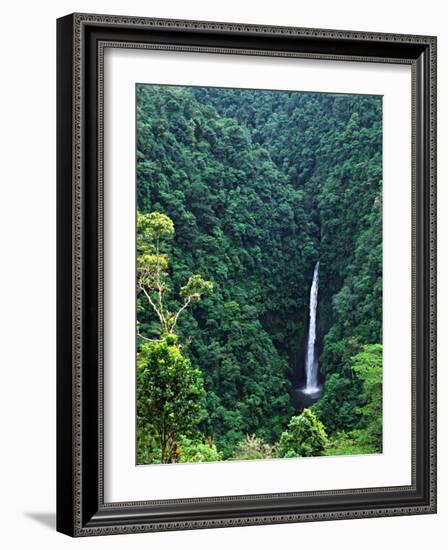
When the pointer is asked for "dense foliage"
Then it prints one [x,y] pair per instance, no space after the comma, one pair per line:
[305,436]
[258,186]
[169,397]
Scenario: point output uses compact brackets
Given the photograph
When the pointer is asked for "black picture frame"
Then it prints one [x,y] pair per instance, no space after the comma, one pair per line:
[81,510]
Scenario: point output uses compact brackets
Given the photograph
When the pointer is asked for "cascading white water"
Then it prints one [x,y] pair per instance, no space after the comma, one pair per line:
[311,362]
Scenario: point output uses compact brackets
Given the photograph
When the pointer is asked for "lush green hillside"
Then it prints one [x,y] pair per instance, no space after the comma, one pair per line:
[259,186]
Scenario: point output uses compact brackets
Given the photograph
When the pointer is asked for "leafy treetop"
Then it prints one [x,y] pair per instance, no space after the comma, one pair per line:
[152,270]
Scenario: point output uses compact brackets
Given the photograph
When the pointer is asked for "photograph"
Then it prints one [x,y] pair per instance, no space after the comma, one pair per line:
[259,263]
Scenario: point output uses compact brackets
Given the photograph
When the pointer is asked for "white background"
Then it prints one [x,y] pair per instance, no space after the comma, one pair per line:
[125,482]
[27,306]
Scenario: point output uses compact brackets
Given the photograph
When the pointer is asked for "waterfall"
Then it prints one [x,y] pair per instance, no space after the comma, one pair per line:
[311,361]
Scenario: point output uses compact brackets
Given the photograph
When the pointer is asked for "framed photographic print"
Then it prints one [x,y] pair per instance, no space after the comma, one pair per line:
[246,274]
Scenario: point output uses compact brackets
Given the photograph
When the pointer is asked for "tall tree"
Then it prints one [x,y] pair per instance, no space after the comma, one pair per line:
[170,391]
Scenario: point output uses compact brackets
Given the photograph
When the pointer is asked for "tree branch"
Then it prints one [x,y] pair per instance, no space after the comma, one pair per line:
[144,337]
[186,304]
[155,308]
[159,287]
